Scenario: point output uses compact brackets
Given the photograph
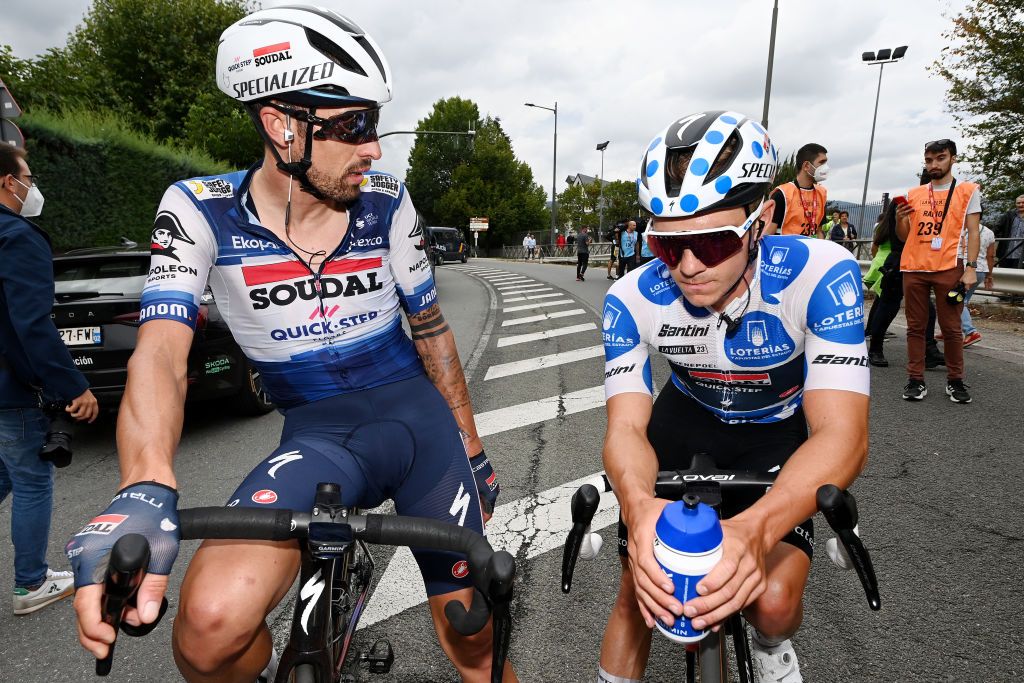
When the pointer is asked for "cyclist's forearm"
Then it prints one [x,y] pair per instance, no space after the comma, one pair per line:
[835,453]
[435,344]
[629,460]
[150,418]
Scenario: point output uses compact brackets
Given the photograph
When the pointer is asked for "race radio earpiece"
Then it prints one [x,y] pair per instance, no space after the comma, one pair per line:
[288,134]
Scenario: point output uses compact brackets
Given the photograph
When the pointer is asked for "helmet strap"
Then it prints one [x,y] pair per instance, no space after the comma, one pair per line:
[296,169]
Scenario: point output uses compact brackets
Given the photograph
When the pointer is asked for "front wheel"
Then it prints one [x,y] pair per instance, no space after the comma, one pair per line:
[438,260]
[303,673]
[252,397]
[464,258]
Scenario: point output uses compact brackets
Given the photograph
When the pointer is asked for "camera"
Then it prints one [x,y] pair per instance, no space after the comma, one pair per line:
[57,447]
[957,294]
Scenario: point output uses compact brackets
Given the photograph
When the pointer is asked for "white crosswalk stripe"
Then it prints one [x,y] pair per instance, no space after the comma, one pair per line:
[532,412]
[531,298]
[546,334]
[522,289]
[504,279]
[539,304]
[541,362]
[543,316]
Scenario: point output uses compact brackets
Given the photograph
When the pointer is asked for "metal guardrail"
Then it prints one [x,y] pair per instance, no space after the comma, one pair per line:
[1004,280]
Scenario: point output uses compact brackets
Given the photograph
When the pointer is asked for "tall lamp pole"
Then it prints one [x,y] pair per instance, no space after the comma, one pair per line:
[883,57]
[554,165]
[771,62]
[600,184]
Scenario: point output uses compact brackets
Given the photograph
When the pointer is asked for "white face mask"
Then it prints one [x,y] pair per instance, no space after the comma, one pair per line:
[32,204]
[821,173]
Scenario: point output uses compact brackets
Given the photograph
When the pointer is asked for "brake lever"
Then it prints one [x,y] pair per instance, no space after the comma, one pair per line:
[127,567]
[502,634]
[840,510]
[584,505]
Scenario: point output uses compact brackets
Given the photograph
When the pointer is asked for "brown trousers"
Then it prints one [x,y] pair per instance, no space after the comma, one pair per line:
[917,288]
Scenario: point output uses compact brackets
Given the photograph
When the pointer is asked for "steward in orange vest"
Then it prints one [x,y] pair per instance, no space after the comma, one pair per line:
[800,205]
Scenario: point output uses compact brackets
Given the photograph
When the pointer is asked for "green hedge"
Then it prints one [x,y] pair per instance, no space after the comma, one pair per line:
[101,180]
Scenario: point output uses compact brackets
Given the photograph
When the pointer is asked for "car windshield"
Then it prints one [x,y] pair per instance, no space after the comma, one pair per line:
[122,274]
[446,236]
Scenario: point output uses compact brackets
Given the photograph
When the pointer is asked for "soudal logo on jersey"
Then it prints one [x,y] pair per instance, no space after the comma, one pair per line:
[355,283]
[685,331]
[732,377]
[278,52]
[282,81]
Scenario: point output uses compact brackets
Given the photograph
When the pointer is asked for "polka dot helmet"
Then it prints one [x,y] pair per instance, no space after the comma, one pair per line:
[732,163]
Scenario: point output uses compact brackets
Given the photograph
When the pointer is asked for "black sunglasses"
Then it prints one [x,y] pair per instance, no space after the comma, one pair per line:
[354,127]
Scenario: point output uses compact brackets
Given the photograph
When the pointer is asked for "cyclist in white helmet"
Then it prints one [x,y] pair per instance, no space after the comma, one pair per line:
[764,337]
[312,257]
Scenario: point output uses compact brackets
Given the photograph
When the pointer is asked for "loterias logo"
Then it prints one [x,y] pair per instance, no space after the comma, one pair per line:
[353,284]
[166,231]
[278,52]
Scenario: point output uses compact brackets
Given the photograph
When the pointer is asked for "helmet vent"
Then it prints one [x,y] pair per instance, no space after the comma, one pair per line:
[373,54]
[333,52]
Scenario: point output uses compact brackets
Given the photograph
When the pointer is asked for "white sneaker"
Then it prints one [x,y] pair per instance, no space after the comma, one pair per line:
[775,664]
[56,586]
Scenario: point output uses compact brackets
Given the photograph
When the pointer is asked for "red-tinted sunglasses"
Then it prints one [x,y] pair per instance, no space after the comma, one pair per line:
[710,247]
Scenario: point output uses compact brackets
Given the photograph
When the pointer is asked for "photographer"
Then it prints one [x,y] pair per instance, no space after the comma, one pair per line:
[33,363]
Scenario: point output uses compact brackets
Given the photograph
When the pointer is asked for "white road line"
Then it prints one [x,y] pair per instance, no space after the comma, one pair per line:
[531,298]
[539,304]
[523,289]
[532,412]
[509,276]
[540,521]
[546,334]
[550,360]
[543,316]
[507,279]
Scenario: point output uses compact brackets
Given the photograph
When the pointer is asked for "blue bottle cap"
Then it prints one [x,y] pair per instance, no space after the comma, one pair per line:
[689,528]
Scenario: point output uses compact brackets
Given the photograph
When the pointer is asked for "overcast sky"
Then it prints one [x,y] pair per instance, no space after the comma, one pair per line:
[622,71]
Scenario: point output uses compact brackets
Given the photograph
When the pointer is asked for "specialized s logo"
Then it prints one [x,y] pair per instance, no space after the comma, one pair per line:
[166,231]
[460,506]
[310,591]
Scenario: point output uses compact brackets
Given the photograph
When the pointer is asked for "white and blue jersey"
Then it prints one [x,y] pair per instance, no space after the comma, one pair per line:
[311,335]
[803,329]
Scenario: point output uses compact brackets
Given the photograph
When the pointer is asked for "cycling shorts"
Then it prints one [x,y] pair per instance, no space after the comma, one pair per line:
[397,441]
[680,427]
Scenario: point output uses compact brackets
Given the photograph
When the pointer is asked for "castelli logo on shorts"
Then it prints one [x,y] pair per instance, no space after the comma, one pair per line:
[264,497]
[460,569]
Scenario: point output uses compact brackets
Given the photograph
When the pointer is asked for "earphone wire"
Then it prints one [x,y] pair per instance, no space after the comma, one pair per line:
[288,207]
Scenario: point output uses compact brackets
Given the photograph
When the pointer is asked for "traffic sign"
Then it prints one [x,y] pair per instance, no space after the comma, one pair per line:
[9,109]
[478,224]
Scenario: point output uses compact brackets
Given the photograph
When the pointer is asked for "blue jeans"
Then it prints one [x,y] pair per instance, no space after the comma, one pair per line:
[965,318]
[22,433]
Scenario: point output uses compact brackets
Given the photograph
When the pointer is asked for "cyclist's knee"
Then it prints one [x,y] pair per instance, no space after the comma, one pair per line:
[779,610]
[208,632]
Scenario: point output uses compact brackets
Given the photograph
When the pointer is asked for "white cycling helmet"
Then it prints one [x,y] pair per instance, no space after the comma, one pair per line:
[740,179]
[304,55]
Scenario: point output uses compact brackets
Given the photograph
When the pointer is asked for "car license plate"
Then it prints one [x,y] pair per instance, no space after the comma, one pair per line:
[81,336]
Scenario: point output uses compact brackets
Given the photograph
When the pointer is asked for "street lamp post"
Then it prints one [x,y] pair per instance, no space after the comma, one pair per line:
[771,62]
[600,184]
[554,165]
[886,56]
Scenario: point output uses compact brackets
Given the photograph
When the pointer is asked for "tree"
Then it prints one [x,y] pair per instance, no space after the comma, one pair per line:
[622,202]
[787,170]
[451,180]
[984,65]
[578,206]
[153,63]
[434,158]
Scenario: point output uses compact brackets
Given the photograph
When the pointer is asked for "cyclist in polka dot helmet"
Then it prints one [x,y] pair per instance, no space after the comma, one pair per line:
[706,161]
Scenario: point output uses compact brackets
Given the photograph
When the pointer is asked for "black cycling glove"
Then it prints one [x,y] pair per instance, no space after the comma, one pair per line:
[486,481]
[146,508]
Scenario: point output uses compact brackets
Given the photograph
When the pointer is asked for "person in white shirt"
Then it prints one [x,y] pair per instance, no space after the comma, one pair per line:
[986,257]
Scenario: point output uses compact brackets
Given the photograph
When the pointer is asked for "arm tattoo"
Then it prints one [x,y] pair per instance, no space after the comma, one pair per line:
[427,335]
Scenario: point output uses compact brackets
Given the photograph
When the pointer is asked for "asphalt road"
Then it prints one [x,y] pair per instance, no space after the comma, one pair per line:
[939,505]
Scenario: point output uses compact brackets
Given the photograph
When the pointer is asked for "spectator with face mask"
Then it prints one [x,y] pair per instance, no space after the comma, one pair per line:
[35,367]
[800,205]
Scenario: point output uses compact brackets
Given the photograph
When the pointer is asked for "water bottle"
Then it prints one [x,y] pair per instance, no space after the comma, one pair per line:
[687,545]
